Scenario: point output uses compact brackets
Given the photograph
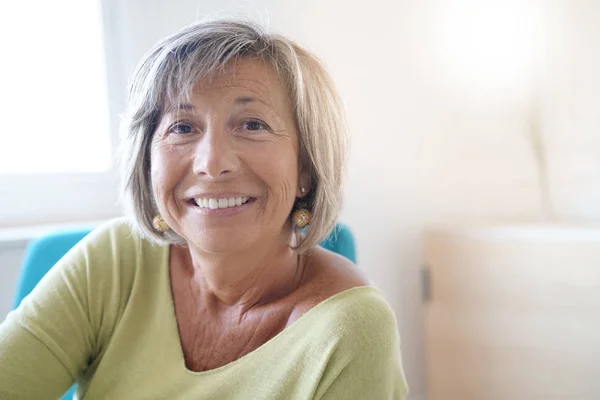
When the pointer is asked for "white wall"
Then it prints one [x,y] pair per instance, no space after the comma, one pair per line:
[426,148]
[10,261]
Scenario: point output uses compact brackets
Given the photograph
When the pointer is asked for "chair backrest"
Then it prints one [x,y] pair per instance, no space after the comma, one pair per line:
[341,241]
[41,254]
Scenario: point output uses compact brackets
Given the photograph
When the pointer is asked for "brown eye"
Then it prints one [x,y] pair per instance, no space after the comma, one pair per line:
[181,128]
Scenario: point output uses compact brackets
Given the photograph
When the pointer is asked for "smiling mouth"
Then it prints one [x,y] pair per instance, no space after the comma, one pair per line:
[220,203]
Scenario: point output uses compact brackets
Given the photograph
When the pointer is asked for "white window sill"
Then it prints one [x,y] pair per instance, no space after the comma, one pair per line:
[19,236]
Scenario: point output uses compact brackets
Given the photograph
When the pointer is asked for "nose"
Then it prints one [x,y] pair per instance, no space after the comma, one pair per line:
[215,155]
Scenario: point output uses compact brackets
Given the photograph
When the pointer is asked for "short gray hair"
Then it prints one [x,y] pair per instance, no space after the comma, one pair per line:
[169,72]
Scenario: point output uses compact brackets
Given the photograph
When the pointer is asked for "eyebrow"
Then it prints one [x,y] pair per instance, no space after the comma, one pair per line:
[180,107]
[243,100]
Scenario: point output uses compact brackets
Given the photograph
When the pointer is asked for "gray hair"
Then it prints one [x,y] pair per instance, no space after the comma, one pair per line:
[169,72]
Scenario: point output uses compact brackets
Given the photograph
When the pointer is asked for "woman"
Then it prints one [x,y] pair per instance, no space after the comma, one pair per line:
[214,287]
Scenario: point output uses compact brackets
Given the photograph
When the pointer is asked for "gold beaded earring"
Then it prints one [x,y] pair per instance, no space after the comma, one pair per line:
[302,216]
[159,224]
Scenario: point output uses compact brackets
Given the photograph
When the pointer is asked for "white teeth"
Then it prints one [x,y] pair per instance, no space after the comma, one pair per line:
[214,204]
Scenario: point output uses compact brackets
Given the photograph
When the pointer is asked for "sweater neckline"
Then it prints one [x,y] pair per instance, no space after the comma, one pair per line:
[304,319]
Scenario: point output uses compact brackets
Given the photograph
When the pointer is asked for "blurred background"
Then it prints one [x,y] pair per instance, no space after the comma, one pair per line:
[477,116]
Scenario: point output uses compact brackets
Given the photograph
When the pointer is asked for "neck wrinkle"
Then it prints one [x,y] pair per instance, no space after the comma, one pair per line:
[239,282]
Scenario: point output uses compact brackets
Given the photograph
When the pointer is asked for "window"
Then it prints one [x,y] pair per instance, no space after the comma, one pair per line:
[56,138]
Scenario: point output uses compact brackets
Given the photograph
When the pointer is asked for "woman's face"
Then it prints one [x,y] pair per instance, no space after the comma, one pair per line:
[225,166]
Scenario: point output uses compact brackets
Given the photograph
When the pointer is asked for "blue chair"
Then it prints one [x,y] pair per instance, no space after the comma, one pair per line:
[341,241]
[40,256]
[42,253]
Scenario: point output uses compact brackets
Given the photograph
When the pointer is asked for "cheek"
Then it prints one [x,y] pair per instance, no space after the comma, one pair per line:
[283,172]
[166,168]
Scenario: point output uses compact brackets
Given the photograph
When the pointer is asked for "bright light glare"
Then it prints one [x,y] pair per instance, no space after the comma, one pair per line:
[491,44]
[53,97]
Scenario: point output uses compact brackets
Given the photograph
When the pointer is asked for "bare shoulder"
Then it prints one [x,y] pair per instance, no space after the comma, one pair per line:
[326,274]
[335,271]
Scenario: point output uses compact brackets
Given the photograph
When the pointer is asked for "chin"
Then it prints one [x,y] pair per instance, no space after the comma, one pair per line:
[219,240]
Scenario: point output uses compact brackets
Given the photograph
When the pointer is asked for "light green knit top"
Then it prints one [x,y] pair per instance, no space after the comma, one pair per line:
[103,317]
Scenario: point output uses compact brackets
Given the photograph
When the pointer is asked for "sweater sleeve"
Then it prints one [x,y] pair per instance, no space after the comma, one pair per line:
[367,363]
[49,341]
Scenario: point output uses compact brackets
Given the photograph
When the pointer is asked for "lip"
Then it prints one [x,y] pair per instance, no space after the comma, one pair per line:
[216,195]
[221,212]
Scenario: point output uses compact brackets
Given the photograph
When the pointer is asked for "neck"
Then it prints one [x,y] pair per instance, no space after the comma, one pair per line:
[244,279]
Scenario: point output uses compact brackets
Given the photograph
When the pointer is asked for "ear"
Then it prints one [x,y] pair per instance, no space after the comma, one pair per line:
[303,183]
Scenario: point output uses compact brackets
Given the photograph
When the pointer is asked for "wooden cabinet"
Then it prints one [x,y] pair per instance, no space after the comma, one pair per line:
[513,312]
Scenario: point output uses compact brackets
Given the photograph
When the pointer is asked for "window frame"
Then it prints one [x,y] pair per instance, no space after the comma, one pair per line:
[71,197]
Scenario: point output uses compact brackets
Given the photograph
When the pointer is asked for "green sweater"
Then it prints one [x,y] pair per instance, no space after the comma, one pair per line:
[103,317]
